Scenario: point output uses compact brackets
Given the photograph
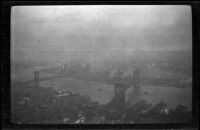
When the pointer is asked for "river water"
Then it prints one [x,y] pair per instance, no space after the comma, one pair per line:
[103,93]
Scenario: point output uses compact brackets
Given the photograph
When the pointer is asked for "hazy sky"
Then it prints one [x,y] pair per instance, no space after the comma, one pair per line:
[101,28]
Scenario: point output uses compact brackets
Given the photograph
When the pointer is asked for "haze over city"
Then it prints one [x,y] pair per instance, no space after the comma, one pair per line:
[99,31]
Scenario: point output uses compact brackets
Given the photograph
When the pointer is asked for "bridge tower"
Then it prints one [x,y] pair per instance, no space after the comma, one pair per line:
[136,77]
[36,79]
[120,90]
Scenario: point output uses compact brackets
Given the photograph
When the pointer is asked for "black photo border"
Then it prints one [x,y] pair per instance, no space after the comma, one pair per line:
[5,67]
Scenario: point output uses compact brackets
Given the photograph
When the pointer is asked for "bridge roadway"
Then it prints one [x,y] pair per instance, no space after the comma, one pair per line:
[60,76]
[42,79]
